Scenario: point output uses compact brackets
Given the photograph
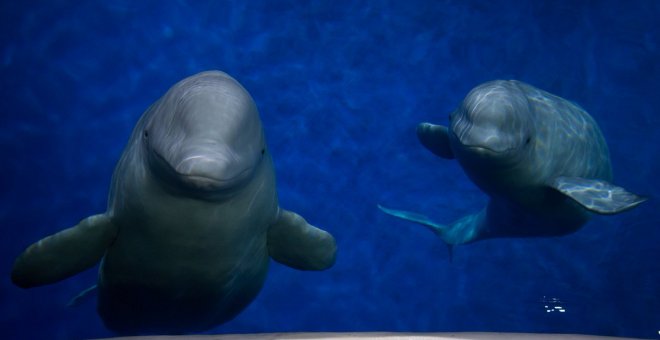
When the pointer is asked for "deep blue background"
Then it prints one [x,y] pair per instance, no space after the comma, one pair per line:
[341,86]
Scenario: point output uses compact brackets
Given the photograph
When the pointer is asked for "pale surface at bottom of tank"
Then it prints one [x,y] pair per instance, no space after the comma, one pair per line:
[376,335]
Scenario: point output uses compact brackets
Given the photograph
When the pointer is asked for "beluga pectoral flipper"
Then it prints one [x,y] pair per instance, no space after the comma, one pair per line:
[541,159]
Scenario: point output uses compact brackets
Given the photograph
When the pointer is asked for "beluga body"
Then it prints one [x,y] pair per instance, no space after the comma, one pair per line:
[192,219]
[541,159]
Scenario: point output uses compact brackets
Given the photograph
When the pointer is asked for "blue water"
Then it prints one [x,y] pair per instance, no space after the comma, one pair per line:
[340,86]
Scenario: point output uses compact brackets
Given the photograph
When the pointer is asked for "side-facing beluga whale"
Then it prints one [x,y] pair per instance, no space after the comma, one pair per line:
[541,159]
[192,219]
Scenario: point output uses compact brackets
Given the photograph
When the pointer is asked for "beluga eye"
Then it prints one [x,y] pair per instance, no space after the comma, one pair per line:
[146,134]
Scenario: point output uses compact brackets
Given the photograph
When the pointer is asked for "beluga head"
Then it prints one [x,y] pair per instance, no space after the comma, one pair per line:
[204,136]
[493,126]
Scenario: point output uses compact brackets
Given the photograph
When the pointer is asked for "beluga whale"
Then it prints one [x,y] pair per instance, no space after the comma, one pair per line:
[192,218]
[541,159]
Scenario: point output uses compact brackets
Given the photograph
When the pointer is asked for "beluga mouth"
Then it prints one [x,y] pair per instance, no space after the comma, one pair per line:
[482,143]
[211,174]
[486,142]
[207,174]
[482,150]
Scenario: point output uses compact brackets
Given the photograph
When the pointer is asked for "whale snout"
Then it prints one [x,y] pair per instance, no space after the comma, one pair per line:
[487,143]
[212,172]
[480,147]
[483,139]
[203,170]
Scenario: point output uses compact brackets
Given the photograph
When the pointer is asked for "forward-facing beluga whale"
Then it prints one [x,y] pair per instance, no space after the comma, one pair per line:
[192,218]
[541,159]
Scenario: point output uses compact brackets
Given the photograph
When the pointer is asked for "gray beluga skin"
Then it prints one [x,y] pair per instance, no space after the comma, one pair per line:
[192,218]
[541,159]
